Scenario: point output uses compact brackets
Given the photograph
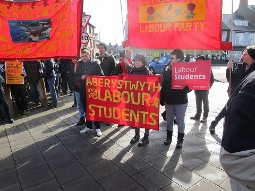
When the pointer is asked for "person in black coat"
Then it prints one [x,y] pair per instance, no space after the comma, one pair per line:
[89,68]
[34,72]
[238,144]
[237,74]
[175,100]
[140,69]
[66,67]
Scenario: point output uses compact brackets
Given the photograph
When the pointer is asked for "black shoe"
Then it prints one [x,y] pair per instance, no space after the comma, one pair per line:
[81,121]
[168,140]
[74,105]
[212,127]
[195,117]
[144,141]
[164,115]
[11,121]
[135,139]
[180,140]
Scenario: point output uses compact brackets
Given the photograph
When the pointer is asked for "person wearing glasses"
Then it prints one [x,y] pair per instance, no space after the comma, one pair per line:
[175,101]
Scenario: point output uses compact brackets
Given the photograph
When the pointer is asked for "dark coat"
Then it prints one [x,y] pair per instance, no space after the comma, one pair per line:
[33,69]
[90,68]
[48,71]
[239,125]
[65,66]
[238,73]
[169,95]
[107,64]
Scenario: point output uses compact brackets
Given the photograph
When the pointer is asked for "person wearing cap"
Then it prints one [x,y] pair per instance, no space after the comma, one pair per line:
[107,61]
[202,97]
[237,74]
[237,153]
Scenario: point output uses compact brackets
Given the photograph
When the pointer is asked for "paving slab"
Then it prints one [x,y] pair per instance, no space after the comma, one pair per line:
[45,151]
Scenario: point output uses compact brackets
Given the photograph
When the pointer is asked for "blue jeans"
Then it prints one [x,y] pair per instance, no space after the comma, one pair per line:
[34,88]
[51,84]
[179,112]
[79,105]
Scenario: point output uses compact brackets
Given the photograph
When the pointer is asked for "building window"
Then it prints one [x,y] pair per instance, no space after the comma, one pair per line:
[239,40]
[251,38]
[245,23]
[238,22]
[224,36]
[237,55]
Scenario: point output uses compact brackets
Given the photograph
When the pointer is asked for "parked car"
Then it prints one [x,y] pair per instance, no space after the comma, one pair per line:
[158,66]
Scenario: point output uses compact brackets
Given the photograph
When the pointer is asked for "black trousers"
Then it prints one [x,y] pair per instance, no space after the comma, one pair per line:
[4,105]
[19,93]
[66,82]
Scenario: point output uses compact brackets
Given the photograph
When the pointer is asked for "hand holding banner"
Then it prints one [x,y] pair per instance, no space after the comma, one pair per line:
[129,100]
[196,75]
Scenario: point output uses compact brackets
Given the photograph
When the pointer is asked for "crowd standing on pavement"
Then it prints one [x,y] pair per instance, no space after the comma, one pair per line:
[237,147]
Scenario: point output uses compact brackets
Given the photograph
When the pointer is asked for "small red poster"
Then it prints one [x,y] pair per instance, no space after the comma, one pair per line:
[131,100]
[196,75]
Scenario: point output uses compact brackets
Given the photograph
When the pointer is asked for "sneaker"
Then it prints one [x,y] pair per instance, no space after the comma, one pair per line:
[11,121]
[99,133]
[84,130]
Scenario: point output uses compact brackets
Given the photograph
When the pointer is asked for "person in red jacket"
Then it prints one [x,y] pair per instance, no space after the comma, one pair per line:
[126,63]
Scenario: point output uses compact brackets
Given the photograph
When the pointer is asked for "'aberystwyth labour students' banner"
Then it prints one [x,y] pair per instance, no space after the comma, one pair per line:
[171,24]
[40,29]
[196,75]
[13,71]
[131,100]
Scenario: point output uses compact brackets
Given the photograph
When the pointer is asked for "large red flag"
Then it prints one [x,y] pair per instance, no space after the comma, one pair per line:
[170,24]
[40,29]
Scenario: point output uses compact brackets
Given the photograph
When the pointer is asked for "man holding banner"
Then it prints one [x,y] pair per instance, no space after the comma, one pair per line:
[89,68]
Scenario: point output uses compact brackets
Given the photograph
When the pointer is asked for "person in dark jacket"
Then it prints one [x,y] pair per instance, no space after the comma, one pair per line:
[107,61]
[140,69]
[202,97]
[89,68]
[175,100]
[34,72]
[66,67]
[237,154]
[50,76]
[3,101]
[237,74]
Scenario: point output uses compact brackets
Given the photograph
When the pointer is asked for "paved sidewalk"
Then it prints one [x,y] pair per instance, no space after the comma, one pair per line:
[45,151]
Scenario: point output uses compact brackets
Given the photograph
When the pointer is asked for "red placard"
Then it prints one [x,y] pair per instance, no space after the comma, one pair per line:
[196,75]
[131,100]
[40,29]
[171,24]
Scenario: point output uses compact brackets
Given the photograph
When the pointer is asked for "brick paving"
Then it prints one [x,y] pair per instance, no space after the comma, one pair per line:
[45,151]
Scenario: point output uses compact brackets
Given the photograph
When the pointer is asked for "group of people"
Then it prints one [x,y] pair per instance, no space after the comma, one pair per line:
[238,143]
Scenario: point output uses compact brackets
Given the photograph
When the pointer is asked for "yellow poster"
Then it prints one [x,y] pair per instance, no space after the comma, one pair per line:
[13,72]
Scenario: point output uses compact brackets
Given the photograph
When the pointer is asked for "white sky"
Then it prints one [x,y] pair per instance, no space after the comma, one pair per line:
[106,17]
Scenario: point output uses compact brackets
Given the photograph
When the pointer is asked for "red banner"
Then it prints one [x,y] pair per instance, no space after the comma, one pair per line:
[196,75]
[40,29]
[171,24]
[131,100]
